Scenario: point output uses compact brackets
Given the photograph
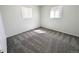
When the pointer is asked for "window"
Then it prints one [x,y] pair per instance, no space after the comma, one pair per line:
[56,12]
[26,12]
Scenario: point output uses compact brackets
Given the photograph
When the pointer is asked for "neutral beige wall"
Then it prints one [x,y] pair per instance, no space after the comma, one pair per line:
[13,21]
[68,24]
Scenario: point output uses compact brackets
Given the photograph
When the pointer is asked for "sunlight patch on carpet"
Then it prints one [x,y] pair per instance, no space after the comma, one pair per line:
[39,31]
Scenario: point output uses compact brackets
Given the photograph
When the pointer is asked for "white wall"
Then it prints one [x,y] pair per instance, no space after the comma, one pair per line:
[68,24]
[13,21]
[15,24]
[3,44]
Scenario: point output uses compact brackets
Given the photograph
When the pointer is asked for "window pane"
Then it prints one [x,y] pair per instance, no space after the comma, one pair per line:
[26,12]
[52,14]
[57,14]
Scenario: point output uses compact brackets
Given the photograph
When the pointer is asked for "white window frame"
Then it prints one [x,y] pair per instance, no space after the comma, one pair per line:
[55,15]
[26,12]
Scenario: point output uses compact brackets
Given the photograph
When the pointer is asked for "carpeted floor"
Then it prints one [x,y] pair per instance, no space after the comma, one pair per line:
[42,40]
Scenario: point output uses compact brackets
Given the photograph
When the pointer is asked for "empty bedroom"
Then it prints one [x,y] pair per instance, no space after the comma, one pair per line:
[39,28]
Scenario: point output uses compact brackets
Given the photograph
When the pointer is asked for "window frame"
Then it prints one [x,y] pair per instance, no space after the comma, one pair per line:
[27,16]
[59,8]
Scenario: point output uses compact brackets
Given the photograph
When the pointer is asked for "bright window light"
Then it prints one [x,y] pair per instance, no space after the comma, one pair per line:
[52,14]
[26,12]
[56,12]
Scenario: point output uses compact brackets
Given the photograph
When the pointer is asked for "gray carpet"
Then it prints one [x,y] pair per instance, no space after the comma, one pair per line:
[42,40]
